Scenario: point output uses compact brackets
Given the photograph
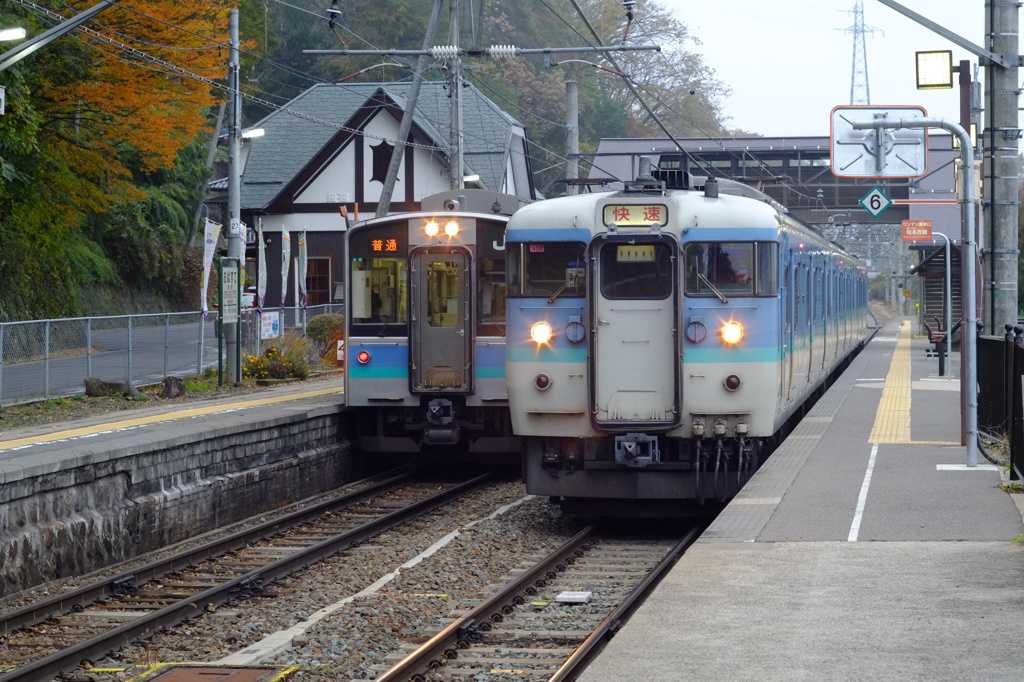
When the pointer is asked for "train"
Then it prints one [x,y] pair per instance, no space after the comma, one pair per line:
[425,327]
[661,338]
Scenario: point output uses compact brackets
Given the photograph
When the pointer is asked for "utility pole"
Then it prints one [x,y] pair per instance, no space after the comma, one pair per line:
[1002,165]
[572,134]
[1001,137]
[455,162]
[235,249]
[407,115]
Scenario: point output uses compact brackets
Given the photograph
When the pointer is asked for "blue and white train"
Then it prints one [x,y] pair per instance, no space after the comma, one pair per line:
[659,340]
[425,326]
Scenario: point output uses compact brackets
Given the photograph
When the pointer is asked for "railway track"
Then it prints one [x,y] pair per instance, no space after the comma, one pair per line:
[548,622]
[44,639]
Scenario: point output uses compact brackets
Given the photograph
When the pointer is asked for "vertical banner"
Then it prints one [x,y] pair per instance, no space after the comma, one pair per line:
[212,233]
[302,269]
[286,257]
[261,281]
[236,229]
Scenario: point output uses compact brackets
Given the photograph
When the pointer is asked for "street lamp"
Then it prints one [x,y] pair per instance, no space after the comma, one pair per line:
[935,72]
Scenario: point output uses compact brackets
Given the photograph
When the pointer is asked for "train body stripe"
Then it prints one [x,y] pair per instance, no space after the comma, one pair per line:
[725,355]
[559,234]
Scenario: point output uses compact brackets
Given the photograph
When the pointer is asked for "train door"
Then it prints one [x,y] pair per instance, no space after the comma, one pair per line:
[636,353]
[788,294]
[440,349]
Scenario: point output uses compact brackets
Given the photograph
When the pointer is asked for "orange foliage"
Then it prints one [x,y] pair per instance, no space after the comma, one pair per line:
[127,105]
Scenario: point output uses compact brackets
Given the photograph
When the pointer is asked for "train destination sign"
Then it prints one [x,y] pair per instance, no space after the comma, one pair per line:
[636,214]
[917,230]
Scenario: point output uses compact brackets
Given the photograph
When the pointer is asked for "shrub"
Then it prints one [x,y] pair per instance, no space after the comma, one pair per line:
[326,330]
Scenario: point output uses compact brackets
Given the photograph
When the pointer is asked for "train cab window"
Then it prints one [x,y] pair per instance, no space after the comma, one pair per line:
[547,269]
[378,291]
[630,271]
[731,269]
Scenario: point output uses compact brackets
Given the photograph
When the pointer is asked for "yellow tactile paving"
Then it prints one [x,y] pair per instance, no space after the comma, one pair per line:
[892,421]
[167,416]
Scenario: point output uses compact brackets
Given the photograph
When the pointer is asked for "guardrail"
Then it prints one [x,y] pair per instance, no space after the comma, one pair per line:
[41,359]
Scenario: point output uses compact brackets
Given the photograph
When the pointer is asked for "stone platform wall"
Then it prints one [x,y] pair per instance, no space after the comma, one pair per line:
[61,520]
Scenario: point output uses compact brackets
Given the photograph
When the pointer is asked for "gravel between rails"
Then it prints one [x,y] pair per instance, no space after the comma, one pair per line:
[349,642]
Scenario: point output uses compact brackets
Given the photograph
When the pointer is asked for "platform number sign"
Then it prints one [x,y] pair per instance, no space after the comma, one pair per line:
[875,202]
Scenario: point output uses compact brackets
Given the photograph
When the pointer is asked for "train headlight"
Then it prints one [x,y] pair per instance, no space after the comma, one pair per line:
[541,332]
[451,228]
[363,357]
[732,332]
[432,228]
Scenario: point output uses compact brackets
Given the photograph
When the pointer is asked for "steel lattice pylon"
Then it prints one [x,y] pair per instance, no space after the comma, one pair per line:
[860,90]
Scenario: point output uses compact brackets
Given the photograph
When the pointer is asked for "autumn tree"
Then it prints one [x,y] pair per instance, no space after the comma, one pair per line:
[91,118]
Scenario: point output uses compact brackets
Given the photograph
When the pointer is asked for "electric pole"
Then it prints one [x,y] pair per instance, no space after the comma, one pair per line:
[235,249]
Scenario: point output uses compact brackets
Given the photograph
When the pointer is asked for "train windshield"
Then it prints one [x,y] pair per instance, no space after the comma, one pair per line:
[547,269]
[731,268]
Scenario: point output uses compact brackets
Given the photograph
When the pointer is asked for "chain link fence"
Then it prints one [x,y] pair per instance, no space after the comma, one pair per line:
[43,359]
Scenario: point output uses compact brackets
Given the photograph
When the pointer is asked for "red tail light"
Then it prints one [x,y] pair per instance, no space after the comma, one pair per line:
[363,357]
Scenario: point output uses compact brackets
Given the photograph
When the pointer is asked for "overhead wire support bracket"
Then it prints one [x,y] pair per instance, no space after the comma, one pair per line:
[496,51]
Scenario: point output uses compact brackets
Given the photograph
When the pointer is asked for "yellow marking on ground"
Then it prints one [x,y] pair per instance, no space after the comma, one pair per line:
[284,671]
[156,418]
[892,421]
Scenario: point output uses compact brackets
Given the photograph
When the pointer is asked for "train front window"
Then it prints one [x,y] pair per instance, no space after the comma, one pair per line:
[731,269]
[631,271]
[547,269]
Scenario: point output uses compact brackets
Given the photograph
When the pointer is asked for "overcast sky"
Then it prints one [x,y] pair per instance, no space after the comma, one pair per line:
[788,62]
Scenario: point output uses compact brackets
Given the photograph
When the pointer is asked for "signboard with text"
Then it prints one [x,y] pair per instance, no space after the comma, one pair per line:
[270,325]
[917,230]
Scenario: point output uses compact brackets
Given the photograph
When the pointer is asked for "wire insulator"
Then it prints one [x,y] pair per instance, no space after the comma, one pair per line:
[502,51]
[444,51]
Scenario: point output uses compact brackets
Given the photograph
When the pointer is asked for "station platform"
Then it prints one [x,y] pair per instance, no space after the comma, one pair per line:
[80,440]
[863,548]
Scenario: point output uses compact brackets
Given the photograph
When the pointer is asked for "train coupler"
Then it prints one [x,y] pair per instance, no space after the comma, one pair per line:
[637,449]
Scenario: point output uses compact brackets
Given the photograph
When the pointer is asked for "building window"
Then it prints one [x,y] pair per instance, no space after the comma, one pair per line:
[318,281]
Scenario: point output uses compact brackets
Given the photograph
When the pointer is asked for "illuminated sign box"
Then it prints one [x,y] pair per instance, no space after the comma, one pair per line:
[636,214]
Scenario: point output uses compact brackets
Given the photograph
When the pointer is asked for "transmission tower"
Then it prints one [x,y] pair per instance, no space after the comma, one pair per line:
[860,91]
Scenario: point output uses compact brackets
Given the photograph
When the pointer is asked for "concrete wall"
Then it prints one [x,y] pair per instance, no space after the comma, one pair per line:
[138,495]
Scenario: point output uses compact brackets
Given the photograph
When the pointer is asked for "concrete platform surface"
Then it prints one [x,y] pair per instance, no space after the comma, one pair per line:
[863,549]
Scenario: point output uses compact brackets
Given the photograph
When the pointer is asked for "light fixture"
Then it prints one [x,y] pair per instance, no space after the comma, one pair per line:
[732,332]
[12,33]
[471,178]
[253,132]
[541,332]
[934,70]
[432,228]
[451,228]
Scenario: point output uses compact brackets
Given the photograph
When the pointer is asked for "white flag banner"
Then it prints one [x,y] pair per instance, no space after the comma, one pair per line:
[212,233]
[302,269]
[261,281]
[286,257]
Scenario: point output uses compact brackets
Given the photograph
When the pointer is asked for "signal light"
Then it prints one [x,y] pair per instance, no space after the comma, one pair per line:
[541,332]
[542,382]
[451,228]
[432,228]
[732,332]
[363,357]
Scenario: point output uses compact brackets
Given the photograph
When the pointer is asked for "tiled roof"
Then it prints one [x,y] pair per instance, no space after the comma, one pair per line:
[291,142]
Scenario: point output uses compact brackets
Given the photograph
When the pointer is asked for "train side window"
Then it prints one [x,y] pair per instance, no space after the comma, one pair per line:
[725,267]
[767,279]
